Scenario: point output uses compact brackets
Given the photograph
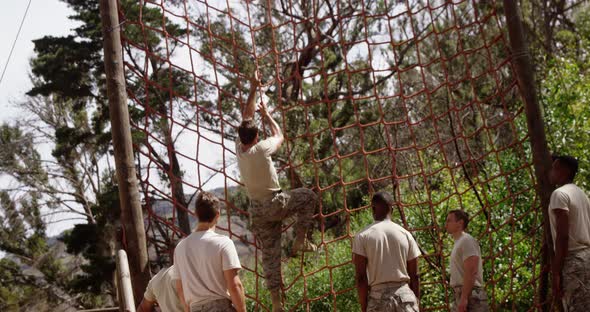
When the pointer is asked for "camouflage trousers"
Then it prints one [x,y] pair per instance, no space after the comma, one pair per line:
[392,297]
[267,222]
[576,281]
[221,305]
[477,302]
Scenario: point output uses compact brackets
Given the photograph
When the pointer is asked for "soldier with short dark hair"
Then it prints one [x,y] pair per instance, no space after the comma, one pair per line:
[569,217]
[466,266]
[385,256]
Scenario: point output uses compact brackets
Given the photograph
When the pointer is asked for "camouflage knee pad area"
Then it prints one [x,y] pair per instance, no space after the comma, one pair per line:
[268,234]
[266,223]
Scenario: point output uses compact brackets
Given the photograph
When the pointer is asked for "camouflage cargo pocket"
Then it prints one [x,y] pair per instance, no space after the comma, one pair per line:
[478,301]
[406,300]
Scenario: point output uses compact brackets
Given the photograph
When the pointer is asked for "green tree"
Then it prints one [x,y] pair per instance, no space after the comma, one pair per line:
[564,93]
[565,96]
[22,237]
[67,110]
[438,123]
[66,183]
[70,69]
[424,125]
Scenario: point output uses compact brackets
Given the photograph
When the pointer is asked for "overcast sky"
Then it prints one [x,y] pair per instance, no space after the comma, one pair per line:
[45,17]
[50,17]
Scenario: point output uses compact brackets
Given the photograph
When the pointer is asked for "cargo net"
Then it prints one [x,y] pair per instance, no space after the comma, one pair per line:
[416,98]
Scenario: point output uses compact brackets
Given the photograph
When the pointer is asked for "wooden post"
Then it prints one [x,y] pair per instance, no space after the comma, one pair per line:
[541,155]
[126,302]
[131,214]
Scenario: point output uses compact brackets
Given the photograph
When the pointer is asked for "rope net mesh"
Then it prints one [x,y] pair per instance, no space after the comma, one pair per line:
[417,98]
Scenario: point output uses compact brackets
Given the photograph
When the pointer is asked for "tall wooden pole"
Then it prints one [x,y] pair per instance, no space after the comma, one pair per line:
[541,155]
[131,214]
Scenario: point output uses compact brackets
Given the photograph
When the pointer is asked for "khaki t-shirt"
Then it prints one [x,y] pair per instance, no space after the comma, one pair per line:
[257,170]
[465,247]
[573,200]
[162,289]
[388,247]
[200,260]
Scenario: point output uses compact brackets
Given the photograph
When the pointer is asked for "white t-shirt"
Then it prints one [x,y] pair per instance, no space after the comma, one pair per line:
[465,246]
[573,200]
[200,260]
[162,289]
[388,247]
[257,169]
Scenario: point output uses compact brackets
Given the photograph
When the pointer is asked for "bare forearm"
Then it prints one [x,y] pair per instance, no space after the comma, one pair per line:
[415,285]
[238,298]
[468,283]
[361,279]
[561,240]
[180,293]
[250,108]
[274,127]
[362,287]
[412,266]
[561,244]
[145,306]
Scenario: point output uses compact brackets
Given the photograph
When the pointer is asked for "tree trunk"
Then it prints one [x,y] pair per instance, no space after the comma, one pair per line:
[131,213]
[541,156]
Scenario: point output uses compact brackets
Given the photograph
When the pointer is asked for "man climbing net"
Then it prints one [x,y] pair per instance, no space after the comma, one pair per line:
[270,205]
